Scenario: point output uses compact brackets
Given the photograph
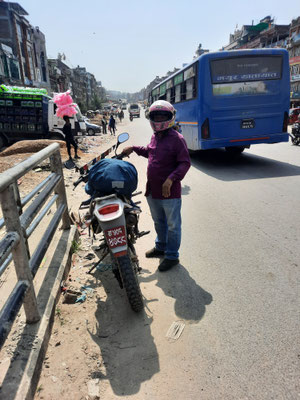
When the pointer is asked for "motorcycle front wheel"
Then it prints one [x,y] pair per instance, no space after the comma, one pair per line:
[130,283]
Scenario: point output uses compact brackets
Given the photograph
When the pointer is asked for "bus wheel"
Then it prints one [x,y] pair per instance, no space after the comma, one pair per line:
[235,150]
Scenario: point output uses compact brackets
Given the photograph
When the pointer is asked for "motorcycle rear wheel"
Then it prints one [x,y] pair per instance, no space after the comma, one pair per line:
[130,283]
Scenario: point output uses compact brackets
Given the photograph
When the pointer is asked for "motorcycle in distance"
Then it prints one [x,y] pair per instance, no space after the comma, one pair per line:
[116,217]
[131,117]
[295,134]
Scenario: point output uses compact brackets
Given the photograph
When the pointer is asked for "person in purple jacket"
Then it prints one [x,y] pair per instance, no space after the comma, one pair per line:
[168,162]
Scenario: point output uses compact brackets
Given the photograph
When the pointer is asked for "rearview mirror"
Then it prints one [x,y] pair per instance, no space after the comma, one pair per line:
[123,137]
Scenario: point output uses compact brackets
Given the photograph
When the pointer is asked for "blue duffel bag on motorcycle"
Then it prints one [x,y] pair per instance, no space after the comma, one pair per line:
[110,176]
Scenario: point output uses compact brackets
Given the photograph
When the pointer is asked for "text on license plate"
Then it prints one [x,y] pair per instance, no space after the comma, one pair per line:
[247,124]
[116,237]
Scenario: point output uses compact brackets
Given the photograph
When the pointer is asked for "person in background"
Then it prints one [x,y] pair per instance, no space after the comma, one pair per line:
[168,163]
[177,127]
[69,138]
[104,123]
[112,125]
[121,115]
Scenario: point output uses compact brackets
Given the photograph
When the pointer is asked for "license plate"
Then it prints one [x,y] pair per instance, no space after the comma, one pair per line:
[247,124]
[116,237]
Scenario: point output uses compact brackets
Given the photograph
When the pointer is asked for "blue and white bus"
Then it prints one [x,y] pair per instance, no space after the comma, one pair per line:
[231,99]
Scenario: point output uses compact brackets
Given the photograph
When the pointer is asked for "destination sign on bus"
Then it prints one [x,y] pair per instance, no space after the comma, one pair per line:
[246,77]
[243,69]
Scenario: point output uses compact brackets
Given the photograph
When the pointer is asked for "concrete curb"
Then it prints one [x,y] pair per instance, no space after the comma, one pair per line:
[23,373]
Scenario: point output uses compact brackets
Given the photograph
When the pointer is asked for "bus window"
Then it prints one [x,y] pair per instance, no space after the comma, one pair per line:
[190,89]
[173,95]
[168,95]
[183,91]
[245,69]
[238,76]
[177,93]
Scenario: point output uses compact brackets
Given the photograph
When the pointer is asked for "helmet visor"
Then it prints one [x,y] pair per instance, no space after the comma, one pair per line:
[160,116]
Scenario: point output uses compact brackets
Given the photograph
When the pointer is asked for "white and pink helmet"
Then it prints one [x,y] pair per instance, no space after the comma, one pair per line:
[161,115]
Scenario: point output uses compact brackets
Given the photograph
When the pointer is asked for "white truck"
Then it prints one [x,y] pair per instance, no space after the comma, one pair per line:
[134,110]
[29,113]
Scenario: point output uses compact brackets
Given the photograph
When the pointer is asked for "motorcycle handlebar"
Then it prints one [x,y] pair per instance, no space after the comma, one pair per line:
[81,179]
[121,156]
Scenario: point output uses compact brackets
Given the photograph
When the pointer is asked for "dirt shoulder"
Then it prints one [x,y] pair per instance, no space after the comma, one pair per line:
[90,339]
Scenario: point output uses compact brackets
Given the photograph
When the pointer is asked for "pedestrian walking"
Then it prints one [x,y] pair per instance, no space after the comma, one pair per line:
[112,125]
[168,162]
[69,138]
[121,115]
[104,123]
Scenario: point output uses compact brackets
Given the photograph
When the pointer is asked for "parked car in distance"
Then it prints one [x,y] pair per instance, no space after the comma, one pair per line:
[294,115]
[91,128]
[134,110]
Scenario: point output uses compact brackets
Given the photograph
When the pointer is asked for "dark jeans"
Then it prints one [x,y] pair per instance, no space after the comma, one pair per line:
[104,128]
[70,141]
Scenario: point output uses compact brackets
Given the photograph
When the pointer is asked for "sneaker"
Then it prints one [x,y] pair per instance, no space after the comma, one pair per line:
[154,253]
[77,157]
[167,264]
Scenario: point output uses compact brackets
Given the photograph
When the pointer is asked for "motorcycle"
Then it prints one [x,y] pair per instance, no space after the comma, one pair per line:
[131,117]
[295,134]
[116,217]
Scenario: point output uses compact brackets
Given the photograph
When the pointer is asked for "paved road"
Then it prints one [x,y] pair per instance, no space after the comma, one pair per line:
[237,288]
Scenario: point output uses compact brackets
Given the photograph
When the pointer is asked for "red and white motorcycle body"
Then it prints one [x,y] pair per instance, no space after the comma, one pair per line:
[109,211]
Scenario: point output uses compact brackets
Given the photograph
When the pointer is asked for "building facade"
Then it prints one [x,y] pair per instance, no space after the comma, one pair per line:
[85,90]
[264,34]
[294,52]
[22,49]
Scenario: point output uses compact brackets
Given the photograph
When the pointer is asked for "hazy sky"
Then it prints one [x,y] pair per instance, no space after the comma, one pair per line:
[125,44]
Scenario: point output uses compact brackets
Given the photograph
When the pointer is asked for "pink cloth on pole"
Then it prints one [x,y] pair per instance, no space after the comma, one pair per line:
[65,105]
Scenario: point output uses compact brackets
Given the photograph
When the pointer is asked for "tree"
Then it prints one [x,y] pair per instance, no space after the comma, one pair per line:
[82,107]
[96,103]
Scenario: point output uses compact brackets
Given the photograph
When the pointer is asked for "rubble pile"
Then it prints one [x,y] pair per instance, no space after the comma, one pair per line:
[20,151]
[32,146]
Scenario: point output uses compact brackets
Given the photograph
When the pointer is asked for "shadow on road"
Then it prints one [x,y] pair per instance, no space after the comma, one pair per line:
[190,299]
[129,354]
[220,165]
